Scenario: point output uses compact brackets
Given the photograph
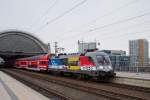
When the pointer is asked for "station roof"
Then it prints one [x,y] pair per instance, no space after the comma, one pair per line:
[19,41]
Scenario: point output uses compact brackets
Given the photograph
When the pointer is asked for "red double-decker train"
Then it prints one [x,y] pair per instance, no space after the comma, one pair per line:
[34,63]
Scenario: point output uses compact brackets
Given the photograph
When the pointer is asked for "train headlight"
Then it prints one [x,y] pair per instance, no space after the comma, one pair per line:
[100,67]
[109,67]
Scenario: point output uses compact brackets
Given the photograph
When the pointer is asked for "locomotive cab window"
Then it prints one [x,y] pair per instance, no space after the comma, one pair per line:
[103,60]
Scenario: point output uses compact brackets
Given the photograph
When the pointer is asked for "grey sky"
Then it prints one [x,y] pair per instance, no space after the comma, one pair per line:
[111,22]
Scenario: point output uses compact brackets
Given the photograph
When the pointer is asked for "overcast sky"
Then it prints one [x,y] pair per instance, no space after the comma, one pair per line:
[111,22]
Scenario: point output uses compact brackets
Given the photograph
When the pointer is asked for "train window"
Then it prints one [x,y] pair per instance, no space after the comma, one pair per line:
[34,63]
[23,63]
[43,62]
[103,60]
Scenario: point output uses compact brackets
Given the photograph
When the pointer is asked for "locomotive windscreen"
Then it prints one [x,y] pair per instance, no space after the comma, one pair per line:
[103,60]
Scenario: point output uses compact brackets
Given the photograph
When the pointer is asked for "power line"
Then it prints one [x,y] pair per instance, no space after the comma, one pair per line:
[45,13]
[124,34]
[107,35]
[111,12]
[108,25]
[63,14]
[107,14]
[139,24]
[118,22]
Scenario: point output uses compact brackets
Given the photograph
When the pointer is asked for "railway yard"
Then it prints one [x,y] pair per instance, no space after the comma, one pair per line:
[58,87]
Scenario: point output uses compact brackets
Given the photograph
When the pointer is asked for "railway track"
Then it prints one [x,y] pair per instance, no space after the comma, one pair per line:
[47,88]
[105,91]
[38,86]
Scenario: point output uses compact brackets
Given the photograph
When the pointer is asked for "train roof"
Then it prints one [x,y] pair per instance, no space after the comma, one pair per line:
[34,57]
[73,55]
[70,55]
[96,53]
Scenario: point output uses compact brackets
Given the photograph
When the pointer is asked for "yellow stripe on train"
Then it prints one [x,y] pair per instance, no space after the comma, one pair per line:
[74,67]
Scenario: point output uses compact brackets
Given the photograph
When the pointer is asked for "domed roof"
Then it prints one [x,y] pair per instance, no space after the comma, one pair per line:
[19,41]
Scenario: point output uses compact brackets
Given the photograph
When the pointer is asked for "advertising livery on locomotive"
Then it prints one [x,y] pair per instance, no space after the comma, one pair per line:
[93,64]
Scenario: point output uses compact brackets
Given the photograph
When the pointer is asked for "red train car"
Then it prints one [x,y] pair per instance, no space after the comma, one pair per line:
[38,63]
[21,63]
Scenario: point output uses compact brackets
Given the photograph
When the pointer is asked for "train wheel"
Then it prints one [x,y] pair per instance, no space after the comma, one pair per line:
[86,76]
[62,73]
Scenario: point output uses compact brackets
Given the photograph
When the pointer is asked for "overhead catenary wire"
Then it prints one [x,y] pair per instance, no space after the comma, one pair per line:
[62,15]
[124,28]
[107,14]
[120,37]
[111,24]
[121,21]
[45,13]
[108,25]
[116,38]
[125,34]
[108,35]
[110,13]
[137,32]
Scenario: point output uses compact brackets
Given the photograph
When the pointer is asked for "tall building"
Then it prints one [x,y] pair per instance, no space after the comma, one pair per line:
[139,53]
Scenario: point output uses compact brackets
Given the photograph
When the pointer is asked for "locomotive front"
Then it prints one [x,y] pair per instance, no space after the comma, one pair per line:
[102,63]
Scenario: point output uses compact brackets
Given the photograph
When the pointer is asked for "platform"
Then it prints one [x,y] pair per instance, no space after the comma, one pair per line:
[135,79]
[11,89]
[143,76]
